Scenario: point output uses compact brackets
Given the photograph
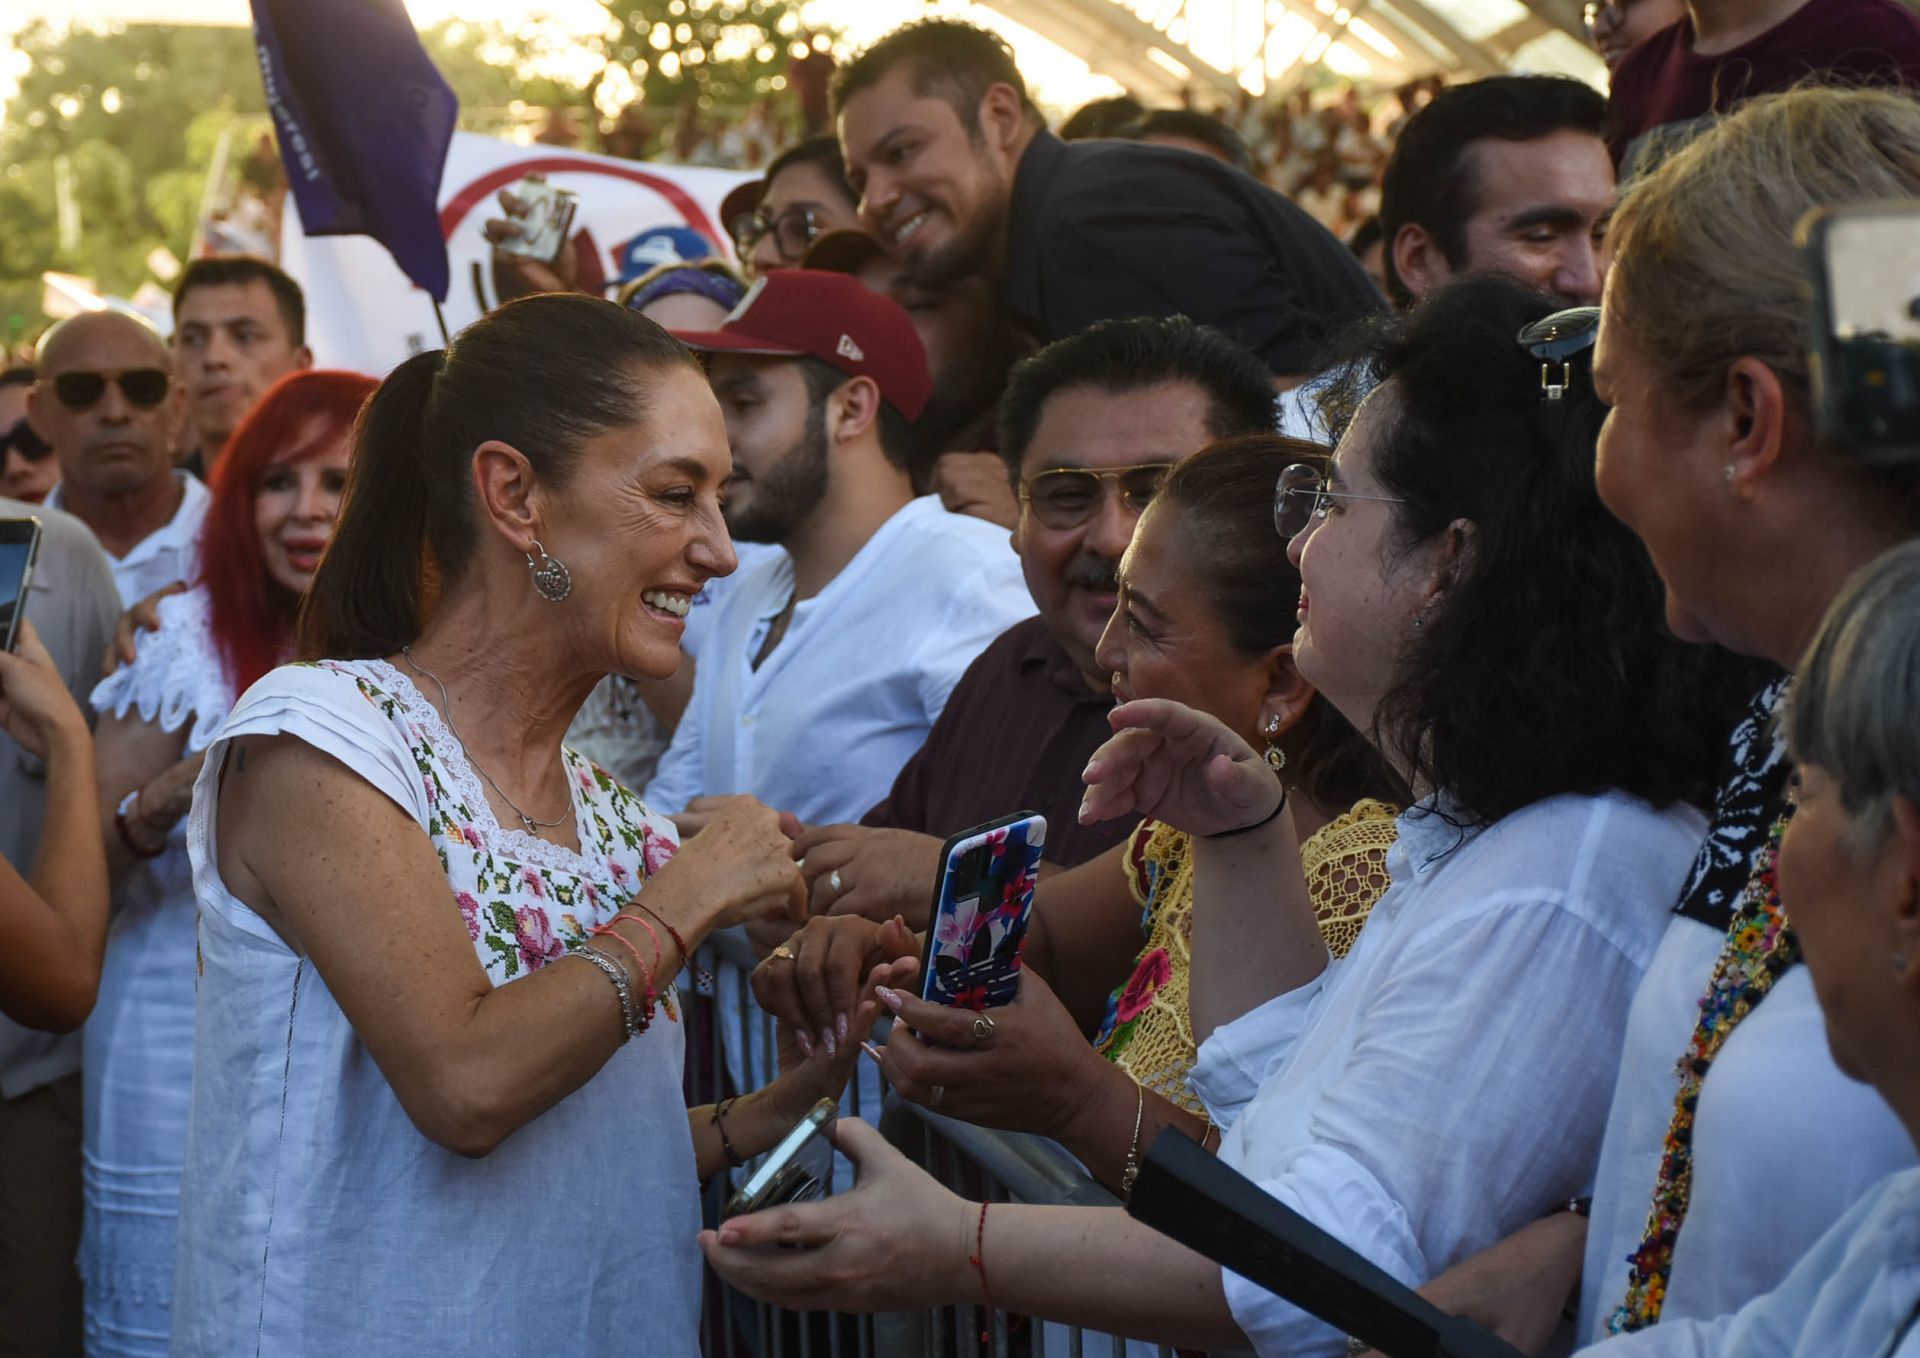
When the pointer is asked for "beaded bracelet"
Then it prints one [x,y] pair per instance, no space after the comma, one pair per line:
[629,1024]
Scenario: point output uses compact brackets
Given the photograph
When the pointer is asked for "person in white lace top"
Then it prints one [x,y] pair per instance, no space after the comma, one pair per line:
[1445,1081]
[275,496]
[437,1098]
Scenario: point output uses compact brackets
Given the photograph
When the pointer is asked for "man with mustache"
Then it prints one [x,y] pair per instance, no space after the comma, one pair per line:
[1088,428]
[105,398]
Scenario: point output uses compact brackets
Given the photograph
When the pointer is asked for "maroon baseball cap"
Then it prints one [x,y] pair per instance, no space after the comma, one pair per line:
[814,313]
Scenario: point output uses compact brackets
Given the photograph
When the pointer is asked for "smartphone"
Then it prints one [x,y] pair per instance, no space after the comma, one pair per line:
[799,1169]
[19,549]
[1863,271]
[546,221]
[981,903]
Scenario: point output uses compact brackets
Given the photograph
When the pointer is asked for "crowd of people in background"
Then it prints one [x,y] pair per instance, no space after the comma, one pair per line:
[1473,702]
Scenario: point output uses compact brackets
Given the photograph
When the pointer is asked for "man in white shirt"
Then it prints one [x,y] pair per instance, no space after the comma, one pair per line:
[105,398]
[826,666]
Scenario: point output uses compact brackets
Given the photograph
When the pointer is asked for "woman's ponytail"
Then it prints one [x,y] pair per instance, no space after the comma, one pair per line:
[366,598]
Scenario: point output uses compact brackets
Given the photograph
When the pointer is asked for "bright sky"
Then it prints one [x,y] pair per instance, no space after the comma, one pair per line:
[1057,77]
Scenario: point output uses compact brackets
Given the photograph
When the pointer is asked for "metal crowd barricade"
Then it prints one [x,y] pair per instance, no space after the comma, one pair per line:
[974,1161]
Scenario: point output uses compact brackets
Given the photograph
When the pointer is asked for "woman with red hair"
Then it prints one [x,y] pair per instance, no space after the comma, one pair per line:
[276,492]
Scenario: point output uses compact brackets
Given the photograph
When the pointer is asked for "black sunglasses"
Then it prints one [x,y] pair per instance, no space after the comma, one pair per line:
[1555,340]
[22,440]
[144,388]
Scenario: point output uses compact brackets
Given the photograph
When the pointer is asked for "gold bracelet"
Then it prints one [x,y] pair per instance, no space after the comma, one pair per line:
[1132,1170]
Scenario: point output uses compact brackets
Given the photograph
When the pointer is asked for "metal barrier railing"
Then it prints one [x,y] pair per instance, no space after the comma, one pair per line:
[975,1161]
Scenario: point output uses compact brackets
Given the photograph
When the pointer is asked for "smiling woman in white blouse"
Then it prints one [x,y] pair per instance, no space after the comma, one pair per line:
[1468,602]
[437,1096]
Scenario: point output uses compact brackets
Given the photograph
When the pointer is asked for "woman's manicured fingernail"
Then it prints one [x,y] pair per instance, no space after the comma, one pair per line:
[826,1040]
[806,1043]
[1083,809]
[870,1050]
[890,998]
[840,1026]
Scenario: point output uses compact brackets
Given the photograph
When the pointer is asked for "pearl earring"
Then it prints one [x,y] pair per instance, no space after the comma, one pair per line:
[1729,473]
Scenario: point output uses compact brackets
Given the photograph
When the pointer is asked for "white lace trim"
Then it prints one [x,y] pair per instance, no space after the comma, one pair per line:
[529,850]
[176,674]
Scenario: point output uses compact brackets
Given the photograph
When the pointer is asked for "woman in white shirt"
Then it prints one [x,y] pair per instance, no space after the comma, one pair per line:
[437,1087]
[1850,869]
[1715,1178]
[1467,601]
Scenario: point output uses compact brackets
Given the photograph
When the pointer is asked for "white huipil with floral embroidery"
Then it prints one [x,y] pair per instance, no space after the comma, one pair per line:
[315,1218]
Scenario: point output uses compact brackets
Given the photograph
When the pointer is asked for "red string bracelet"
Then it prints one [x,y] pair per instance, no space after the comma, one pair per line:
[979,1261]
[607,930]
[641,921]
[701,976]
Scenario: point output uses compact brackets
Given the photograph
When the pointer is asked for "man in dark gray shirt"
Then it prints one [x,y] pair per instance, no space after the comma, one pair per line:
[958,176]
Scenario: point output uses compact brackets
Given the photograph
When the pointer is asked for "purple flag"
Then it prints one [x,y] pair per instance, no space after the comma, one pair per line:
[364,121]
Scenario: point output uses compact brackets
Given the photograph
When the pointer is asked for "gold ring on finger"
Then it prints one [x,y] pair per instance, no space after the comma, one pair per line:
[982,1028]
[784,951]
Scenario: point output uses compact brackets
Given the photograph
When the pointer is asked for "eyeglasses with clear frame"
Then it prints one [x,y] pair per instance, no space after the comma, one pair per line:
[1067,497]
[1301,499]
[793,231]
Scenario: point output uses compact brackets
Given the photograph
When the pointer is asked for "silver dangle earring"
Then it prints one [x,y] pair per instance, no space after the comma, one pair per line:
[1276,757]
[1114,682]
[551,579]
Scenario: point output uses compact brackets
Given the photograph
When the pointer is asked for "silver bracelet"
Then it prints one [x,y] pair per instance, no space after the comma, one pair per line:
[622,985]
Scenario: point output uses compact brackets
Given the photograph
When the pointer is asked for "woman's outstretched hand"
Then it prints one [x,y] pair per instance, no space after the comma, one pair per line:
[822,973]
[1172,763]
[897,1241]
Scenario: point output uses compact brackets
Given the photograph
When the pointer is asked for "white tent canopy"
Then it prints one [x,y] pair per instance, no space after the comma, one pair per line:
[1158,48]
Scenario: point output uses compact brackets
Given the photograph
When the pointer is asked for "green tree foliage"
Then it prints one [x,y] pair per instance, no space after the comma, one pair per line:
[136,113]
[721,56]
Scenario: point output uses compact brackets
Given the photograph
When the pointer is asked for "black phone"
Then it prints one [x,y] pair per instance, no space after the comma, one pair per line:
[19,549]
[799,1169]
[1863,274]
[982,901]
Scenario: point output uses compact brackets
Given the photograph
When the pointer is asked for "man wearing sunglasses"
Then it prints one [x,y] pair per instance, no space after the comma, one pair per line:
[27,468]
[105,399]
[1089,427]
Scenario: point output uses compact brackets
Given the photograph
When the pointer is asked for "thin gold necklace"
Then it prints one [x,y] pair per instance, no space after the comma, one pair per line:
[446,710]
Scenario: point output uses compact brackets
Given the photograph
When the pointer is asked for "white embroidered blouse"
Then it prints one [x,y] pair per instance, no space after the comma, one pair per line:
[315,1218]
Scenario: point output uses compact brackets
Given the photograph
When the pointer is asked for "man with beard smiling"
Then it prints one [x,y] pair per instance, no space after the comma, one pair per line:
[957,176]
[826,666]
[1088,427]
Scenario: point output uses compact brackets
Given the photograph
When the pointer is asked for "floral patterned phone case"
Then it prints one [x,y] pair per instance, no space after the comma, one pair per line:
[980,908]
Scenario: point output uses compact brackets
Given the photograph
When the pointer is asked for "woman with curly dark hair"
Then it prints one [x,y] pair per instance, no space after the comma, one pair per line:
[1468,601]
